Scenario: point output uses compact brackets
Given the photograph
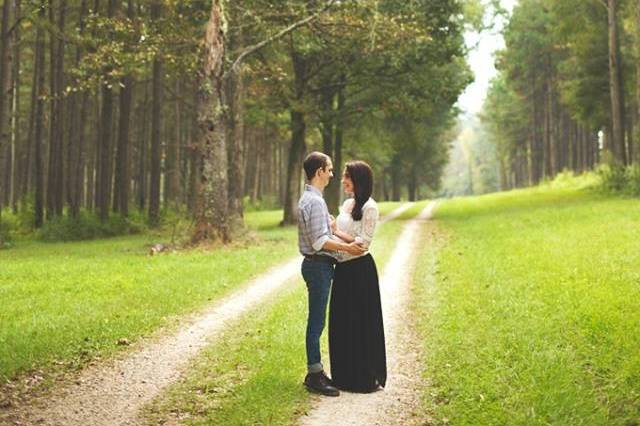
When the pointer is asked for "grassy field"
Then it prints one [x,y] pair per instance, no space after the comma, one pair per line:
[530,309]
[253,373]
[66,303]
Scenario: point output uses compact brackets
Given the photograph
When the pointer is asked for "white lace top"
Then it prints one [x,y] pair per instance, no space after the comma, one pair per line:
[362,230]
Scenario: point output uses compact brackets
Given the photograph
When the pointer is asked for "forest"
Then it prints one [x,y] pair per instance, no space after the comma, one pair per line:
[567,93]
[117,108]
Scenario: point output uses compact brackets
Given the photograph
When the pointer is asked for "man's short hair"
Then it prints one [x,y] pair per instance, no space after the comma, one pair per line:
[314,161]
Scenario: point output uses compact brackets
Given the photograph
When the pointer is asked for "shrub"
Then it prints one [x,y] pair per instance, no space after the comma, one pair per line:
[85,227]
[6,227]
[612,178]
[269,202]
[633,180]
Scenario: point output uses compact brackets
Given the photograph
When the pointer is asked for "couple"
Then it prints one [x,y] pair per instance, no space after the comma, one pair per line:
[356,334]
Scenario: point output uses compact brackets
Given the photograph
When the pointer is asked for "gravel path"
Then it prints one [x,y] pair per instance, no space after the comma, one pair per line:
[113,392]
[397,404]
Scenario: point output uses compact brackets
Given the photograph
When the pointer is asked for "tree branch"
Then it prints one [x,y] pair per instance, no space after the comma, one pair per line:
[252,49]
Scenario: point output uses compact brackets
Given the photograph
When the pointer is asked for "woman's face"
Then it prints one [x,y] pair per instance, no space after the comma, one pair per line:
[347,183]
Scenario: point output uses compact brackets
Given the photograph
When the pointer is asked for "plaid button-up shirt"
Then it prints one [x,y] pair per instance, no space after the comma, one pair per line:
[314,223]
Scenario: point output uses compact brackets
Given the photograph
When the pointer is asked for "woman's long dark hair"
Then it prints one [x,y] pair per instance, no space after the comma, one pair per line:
[362,177]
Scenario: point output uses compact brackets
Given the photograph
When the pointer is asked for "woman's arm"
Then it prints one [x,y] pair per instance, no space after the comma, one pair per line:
[369,221]
[343,236]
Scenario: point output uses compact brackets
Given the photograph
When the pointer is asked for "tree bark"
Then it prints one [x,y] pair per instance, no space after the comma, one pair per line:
[77,118]
[212,221]
[334,188]
[104,151]
[615,87]
[637,94]
[298,146]
[18,145]
[39,121]
[194,162]
[55,181]
[234,91]
[5,89]
[122,180]
[156,126]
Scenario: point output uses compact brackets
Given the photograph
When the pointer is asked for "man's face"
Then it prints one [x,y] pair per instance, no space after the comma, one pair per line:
[325,174]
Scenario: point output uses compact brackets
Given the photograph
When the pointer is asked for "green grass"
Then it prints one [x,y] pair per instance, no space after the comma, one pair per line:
[253,373]
[67,302]
[530,307]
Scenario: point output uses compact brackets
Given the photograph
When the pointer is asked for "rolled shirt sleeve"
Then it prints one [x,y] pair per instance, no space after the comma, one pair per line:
[315,227]
[318,224]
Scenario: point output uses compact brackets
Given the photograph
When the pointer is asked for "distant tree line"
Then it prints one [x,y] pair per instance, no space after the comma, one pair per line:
[568,91]
[113,105]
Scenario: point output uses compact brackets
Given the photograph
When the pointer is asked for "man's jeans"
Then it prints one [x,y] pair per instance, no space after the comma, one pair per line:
[318,276]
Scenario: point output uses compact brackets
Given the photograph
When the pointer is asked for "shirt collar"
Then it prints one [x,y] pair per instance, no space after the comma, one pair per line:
[313,189]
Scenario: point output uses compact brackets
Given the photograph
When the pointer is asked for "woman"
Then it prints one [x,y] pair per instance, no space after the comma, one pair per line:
[356,333]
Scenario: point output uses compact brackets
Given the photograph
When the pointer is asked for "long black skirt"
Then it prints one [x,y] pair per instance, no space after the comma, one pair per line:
[356,332]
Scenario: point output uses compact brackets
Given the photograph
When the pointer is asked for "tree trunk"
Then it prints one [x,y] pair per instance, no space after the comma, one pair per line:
[156,123]
[104,151]
[55,181]
[327,128]
[334,189]
[17,144]
[27,178]
[235,94]
[142,152]
[615,87]
[195,166]
[298,146]
[637,135]
[5,89]
[212,221]
[396,165]
[39,120]
[77,118]
[123,167]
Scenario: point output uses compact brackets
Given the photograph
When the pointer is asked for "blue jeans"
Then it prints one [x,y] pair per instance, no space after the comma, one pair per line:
[318,276]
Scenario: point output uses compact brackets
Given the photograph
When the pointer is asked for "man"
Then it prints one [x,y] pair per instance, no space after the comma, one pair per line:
[319,251]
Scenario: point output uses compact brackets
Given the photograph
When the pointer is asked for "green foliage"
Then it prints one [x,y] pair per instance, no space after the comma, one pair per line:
[267,202]
[5,232]
[620,180]
[86,227]
[529,308]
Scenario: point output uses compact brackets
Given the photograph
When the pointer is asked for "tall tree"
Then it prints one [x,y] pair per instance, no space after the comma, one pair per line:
[77,118]
[123,166]
[212,221]
[39,119]
[104,151]
[55,180]
[156,126]
[616,86]
[5,95]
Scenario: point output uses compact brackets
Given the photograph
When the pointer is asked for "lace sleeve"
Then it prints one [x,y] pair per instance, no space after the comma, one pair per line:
[369,221]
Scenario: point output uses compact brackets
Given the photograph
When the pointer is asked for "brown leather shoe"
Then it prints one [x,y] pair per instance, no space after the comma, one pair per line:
[319,383]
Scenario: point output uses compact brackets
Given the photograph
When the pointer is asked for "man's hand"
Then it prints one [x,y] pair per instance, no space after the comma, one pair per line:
[355,249]
[334,226]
